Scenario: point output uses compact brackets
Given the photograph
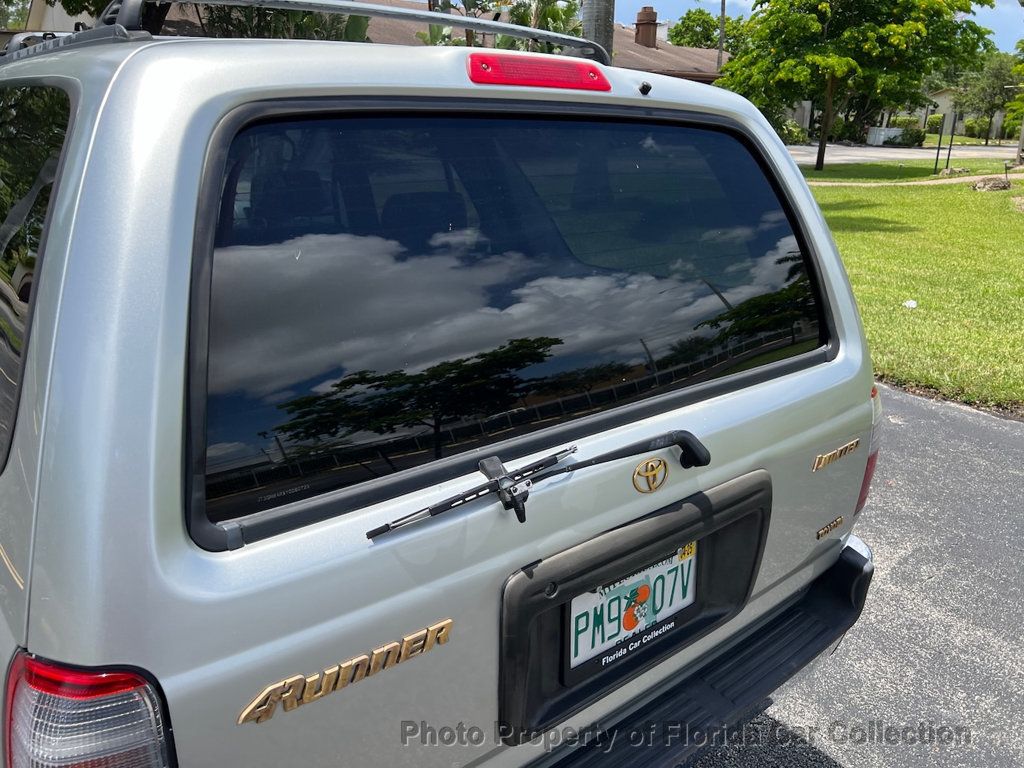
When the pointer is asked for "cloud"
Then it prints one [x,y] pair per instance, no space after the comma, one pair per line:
[362,303]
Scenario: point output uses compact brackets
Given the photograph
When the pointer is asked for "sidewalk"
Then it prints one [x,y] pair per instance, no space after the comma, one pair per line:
[838,153]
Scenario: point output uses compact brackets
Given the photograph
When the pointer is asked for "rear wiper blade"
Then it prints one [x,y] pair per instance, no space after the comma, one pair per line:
[513,488]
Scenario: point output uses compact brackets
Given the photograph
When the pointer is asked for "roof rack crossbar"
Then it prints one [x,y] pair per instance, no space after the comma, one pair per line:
[129,15]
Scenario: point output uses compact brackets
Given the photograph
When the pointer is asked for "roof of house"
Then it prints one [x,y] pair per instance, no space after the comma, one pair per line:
[667,59]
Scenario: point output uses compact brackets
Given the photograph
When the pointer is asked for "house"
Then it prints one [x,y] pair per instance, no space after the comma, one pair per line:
[637,47]
[942,104]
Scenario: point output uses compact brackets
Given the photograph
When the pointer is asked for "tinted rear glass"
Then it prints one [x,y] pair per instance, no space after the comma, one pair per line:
[389,291]
[33,122]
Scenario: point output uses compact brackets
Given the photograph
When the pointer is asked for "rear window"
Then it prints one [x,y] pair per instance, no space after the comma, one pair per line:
[33,122]
[391,291]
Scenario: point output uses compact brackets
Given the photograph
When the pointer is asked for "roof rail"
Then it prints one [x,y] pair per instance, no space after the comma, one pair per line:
[129,15]
[110,34]
[20,40]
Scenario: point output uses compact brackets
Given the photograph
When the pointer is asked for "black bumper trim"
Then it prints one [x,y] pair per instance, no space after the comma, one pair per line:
[730,685]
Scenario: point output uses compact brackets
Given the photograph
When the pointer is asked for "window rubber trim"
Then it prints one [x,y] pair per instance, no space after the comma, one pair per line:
[235,533]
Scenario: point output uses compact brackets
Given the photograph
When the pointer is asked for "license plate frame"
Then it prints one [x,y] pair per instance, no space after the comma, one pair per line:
[630,612]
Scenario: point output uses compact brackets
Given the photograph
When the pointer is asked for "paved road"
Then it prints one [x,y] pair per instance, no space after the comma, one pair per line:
[837,153]
[940,640]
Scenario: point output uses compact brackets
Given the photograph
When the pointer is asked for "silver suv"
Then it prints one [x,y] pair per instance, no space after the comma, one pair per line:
[335,356]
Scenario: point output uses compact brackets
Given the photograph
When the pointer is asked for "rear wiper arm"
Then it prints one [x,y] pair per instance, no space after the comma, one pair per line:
[504,484]
[513,488]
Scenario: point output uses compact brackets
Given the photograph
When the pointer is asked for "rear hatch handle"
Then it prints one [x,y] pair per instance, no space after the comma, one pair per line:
[513,488]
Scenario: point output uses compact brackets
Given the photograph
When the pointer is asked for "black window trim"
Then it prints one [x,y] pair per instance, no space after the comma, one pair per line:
[70,89]
[233,534]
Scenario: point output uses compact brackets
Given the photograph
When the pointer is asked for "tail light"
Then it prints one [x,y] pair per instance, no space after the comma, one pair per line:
[876,440]
[71,718]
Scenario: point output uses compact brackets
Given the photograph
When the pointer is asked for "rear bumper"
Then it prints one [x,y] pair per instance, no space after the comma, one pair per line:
[729,685]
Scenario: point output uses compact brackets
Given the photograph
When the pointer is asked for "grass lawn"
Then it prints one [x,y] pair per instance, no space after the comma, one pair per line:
[905,170]
[932,140]
[958,254]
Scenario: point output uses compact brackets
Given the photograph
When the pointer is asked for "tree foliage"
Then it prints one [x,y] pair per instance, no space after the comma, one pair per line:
[13,14]
[366,401]
[988,91]
[1015,107]
[561,16]
[76,7]
[272,23]
[697,28]
[871,54]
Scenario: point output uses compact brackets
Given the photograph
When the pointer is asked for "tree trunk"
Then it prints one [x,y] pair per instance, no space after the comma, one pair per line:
[988,132]
[598,24]
[826,122]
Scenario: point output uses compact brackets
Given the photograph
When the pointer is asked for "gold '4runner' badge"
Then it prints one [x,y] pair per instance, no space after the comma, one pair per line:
[295,691]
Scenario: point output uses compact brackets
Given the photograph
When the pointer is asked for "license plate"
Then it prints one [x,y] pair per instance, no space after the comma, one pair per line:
[625,615]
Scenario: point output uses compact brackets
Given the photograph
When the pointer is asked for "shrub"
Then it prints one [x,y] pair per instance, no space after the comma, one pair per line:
[855,132]
[792,133]
[904,121]
[975,127]
[838,126]
[935,123]
[1011,128]
[911,137]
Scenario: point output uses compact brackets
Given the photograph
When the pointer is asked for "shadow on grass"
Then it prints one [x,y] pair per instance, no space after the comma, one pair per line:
[865,224]
[844,216]
[888,171]
[765,741]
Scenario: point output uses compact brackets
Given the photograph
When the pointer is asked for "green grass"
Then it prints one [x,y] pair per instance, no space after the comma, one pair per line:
[905,170]
[932,140]
[957,253]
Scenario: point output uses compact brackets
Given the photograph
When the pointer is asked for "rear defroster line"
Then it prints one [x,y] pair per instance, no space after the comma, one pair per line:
[513,488]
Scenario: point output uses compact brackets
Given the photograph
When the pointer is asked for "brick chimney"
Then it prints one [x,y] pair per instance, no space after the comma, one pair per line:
[647,27]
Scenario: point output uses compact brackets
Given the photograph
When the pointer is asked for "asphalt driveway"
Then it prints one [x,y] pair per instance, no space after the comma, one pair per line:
[939,645]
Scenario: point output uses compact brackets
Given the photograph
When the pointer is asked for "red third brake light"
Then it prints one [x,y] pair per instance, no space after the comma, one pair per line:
[71,718]
[535,72]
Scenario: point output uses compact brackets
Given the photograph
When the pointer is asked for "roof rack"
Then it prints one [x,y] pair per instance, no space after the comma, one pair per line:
[20,40]
[115,33]
[129,14]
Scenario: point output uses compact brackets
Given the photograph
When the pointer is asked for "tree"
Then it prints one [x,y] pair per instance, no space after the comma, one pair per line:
[1015,108]
[13,14]
[697,28]
[780,310]
[989,91]
[560,16]
[835,51]
[447,391]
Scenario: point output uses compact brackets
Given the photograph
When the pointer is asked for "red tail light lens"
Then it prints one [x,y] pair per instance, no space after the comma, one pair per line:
[536,72]
[876,440]
[69,718]
[865,486]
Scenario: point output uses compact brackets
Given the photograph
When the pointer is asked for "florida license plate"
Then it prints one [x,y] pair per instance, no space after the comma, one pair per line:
[623,616]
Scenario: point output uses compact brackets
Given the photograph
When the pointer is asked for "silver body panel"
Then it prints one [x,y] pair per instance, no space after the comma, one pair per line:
[114,577]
